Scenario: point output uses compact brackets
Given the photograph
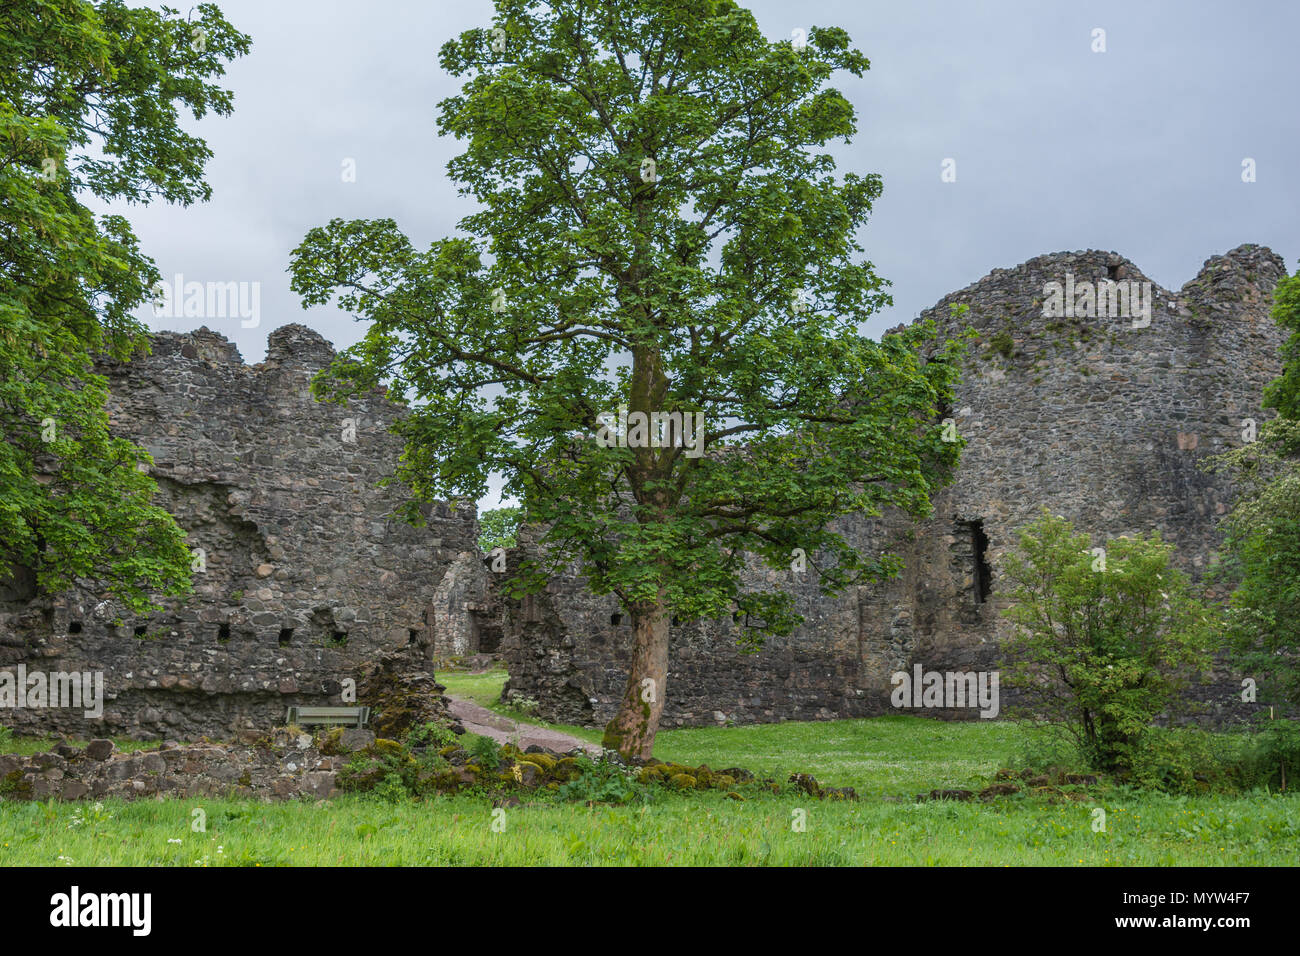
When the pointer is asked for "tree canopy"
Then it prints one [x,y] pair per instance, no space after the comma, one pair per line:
[650,325]
[89,97]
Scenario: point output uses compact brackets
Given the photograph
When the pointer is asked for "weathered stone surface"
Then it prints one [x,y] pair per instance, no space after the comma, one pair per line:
[276,769]
[307,572]
[99,749]
[354,739]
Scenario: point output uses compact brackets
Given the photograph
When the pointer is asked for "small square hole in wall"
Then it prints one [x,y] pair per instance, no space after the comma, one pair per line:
[74,627]
[412,635]
[223,633]
[616,619]
[286,635]
[141,630]
[339,639]
[676,621]
[1112,272]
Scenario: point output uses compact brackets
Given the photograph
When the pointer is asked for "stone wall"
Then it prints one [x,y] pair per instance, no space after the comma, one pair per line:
[279,766]
[308,575]
[1093,418]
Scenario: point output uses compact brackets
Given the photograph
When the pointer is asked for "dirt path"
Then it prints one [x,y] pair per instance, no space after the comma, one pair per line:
[480,720]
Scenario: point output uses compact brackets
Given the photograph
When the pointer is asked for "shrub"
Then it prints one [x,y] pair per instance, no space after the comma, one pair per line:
[1188,760]
[392,789]
[602,782]
[1104,641]
[431,735]
[483,751]
[1275,758]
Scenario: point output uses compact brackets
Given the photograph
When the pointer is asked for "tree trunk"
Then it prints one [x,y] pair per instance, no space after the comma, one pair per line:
[632,731]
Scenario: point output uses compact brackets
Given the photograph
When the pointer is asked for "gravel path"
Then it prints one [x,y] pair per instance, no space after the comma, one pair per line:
[480,720]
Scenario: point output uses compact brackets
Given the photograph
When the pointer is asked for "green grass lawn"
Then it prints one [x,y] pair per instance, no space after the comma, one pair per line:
[897,755]
[703,828]
[888,760]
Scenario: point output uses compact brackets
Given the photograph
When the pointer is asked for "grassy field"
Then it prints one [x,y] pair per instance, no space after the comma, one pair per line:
[703,828]
[888,760]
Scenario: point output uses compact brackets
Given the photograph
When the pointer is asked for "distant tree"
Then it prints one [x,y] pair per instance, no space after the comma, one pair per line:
[1260,557]
[88,97]
[1104,642]
[498,528]
[661,238]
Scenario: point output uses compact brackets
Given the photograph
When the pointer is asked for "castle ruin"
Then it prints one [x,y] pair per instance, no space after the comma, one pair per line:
[308,576]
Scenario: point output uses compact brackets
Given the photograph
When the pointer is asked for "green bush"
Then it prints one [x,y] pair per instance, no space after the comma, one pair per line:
[1188,760]
[1274,760]
[1105,639]
[483,751]
[602,782]
[1050,745]
[392,789]
[431,735]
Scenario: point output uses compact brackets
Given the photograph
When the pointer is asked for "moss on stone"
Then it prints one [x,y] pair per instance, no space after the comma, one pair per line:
[329,742]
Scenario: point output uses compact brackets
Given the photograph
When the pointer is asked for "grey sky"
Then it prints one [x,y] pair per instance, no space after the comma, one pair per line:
[1138,149]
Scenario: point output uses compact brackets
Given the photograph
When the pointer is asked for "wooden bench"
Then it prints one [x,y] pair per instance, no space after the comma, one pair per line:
[331,716]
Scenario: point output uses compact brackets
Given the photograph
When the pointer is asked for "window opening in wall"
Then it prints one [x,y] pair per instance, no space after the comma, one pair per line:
[616,619]
[983,573]
[141,630]
[74,627]
[286,635]
[223,632]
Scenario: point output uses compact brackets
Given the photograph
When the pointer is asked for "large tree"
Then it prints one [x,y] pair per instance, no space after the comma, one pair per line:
[661,229]
[88,107]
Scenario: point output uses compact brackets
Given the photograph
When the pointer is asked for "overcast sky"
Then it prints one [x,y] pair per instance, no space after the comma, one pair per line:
[1137,149]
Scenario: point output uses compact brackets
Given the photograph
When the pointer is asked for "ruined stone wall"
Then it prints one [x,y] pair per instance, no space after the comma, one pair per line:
[1093,418]
[309,576]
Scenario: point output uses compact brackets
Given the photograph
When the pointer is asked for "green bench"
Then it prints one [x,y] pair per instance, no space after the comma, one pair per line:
[330,716]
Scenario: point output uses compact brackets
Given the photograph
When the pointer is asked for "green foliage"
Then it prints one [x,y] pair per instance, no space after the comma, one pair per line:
[603,782]
[1276,759]
[498,528]
[386,767]
[672,295]
[1260,558]
[431,735]
[88,107]
[1002,343]
[1102,651]
[483,751]
[392,788]
[1189,760]
[1283,393]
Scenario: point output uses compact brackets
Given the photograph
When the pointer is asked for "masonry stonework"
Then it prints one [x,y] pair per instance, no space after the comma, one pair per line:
[308,577]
